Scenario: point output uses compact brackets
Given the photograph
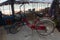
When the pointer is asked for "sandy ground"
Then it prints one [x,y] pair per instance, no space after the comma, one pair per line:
[26,34]
[3,34]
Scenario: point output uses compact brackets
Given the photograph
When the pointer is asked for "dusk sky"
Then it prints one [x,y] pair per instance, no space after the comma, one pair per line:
[7,9]
[32,0]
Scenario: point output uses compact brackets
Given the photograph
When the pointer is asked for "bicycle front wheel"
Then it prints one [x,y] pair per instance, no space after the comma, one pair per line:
[49,27]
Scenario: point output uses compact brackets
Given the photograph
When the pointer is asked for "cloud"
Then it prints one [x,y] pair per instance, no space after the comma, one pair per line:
[2,1]
[36,0]
[43,0]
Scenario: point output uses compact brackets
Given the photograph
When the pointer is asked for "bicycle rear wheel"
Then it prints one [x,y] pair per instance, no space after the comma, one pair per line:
[49,27]
[16,27]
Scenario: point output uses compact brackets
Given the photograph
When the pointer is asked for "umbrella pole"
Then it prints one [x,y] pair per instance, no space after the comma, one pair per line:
[12,7]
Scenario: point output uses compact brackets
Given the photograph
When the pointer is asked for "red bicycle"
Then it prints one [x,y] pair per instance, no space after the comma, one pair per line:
[42,26]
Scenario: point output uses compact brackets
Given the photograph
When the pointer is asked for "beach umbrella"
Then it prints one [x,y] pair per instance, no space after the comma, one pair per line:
[21,2]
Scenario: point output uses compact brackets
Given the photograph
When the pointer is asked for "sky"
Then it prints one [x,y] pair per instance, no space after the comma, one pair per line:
[2,0]
[35,0]
[7,9]
[30,0]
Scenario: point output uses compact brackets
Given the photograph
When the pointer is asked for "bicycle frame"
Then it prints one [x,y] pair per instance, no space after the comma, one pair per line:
[33,26]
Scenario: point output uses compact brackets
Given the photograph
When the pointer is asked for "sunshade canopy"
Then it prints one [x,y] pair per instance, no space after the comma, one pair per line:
[25,1]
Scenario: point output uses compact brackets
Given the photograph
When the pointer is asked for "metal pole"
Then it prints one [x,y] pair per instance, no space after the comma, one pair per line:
[37,7]
[3,10]
[24,8]
[12,6]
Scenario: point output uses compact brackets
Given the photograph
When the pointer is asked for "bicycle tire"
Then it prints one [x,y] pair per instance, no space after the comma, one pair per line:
[52,30]
[15,28]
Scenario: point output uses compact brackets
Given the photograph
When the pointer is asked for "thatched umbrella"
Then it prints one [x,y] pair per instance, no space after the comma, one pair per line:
[12,2]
